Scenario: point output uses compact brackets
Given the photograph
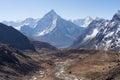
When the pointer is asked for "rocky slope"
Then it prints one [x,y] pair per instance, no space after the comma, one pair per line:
[9,35]
[42,45]
[14,64]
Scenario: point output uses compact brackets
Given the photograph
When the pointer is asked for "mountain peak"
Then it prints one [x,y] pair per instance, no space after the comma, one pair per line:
[118,12]
[116,17]
[51,13]
[88,18]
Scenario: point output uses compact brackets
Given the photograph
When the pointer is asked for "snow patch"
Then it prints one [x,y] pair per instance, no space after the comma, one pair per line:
[110,34]
[18,28]
[108,43]
[95,31]
[112,24]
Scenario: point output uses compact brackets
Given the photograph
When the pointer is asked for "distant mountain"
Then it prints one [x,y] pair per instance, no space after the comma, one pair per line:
[18,24]
[56,30]
[83,22]
[27,30]
[9,35]
[106,38]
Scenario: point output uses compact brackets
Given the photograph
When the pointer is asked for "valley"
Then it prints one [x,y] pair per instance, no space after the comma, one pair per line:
[58,64]
[70,65]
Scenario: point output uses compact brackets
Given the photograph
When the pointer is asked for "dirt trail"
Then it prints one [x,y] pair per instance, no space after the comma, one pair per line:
[59,73]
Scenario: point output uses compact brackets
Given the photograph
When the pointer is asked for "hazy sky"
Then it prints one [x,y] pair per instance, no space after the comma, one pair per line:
[69,9]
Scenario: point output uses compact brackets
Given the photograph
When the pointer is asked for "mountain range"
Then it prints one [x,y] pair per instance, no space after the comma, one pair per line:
[17,24]
[102,34]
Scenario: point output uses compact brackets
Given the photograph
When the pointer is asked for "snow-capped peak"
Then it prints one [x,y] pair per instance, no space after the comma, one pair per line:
[88,18]
[51,13]
[87,21]
[83,22]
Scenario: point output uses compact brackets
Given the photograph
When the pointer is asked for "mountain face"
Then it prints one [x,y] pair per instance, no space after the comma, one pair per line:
[83,22]
[90,33]
[9,35]
[56,31]
[106,38]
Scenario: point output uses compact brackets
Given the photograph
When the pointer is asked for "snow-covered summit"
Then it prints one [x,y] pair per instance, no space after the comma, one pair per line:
[87,21]
[47,23]
[51,14]
[55,30]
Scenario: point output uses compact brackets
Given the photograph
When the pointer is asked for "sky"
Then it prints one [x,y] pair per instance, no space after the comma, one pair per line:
[12,10]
